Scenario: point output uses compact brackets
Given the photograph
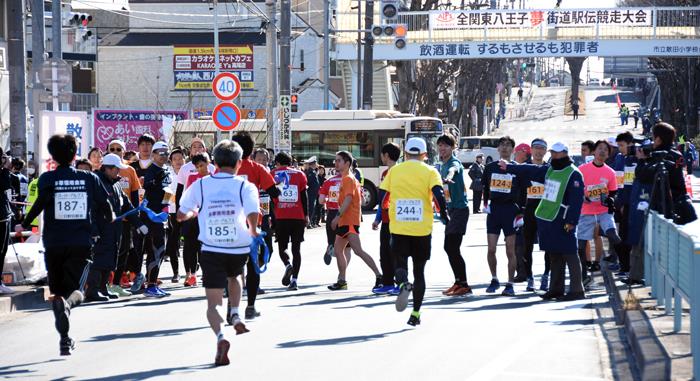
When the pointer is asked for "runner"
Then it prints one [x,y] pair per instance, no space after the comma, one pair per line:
[412,185]
[600,188]
[263,181]
[390,155]
[452,173]
[291,215]
[227,203]
[503,192]
[156,185]
[328,196]
[534,195]
[557,215]
[68,197]
[347,223]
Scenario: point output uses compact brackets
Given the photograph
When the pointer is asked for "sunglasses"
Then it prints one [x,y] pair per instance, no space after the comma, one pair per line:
[163,153]
[115,150]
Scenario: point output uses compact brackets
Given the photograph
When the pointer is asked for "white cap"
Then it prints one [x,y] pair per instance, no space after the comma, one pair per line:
[114,161]
[118,142]
[612,142]
[312,159]
[416,146]
[159,145]
[559,147]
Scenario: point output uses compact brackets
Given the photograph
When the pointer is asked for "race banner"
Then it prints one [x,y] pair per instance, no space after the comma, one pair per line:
[193,65]
[128,125]
[536,18]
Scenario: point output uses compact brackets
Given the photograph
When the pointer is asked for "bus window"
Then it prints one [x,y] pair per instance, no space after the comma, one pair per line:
[306,144]
[359,144]
[470,143]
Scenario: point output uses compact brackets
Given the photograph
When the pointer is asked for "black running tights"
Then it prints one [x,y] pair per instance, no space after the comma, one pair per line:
[252,282]
[452,245]
[296,257]
[418,278]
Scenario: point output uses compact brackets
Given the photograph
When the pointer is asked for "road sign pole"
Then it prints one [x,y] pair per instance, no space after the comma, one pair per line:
[216,51]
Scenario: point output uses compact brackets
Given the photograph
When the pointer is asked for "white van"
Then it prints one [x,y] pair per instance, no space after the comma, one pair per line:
[470,146]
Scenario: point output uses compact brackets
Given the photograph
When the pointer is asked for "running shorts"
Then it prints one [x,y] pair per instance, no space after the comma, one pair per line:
[587,222]
[217,267]
[345,231]
[417,247]
[287,230]
[501,218]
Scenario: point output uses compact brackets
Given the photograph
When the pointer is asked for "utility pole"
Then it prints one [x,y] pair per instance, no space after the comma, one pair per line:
[283,132]
[359,54]
[369,56]
[216,51]
[271,41]
[37,62]
[15,45]
[57,51]
[326,54]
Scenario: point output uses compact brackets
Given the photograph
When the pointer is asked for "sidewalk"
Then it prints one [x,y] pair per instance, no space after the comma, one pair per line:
[24,298]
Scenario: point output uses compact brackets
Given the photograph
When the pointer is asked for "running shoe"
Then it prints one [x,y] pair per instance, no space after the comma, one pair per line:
[615,267]
[152,291]
[138,283]
[544,282]
[124,281]
[383,290]
[378,282]
[402,298]
[587,280]
[75,299]
[108,293]
[162,292]
[328,256]
[95,296]
[520,278]
[550,295]
[622,274]
[414,320]
[572,296]
[118,290]
[5,290]
[508,290]
[530,284]
[176,279]
[339,285]
[66,345]
[451,290]
[394,291]
[595,266]
[238,325]
[287,275]
[495,285]
[462,290]
[261,291]
[191,281]
[251,313]
[222,348]
[292,286]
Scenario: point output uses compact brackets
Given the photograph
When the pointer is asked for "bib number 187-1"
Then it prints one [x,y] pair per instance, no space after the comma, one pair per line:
[70,206]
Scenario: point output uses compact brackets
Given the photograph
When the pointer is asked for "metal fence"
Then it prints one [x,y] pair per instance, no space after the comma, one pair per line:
[84,102]
[667,23]
[672,269]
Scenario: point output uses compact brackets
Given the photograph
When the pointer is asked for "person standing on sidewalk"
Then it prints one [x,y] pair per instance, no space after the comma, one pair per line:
[172,248]
[67,197]
[229,210]
[534,194]
[452,174]
[412,186]
[557,216]
[574,108]
[5,214]
[476,172]
[390,154]
[311,172]
[347,223]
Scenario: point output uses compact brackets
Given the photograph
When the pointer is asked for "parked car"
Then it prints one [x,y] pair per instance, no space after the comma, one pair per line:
[554,82]
[594,82]
[470,146]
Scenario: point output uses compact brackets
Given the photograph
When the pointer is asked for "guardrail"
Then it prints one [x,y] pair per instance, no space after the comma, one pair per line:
[667,23]
[672,269]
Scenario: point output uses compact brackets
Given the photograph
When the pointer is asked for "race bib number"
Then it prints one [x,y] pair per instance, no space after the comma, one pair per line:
[70,205]
[265,205]
[551,190]
[535,191]
[291,194]
[620,179]
[221,230]
[409,210]
[501,183]
[23,189]
[333,193]
[629,175]
[595,191]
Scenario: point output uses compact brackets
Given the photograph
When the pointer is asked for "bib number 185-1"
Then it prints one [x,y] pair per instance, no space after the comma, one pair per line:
[221,230]
[70,206]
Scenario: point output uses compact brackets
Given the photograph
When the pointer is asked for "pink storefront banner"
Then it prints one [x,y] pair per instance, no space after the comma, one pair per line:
[128,125]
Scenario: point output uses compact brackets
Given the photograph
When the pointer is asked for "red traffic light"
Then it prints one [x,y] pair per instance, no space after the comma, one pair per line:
[294,98]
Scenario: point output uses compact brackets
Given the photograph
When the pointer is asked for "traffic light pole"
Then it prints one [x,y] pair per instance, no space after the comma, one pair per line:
[216,52]
[359,54]
[271,41]
[37,62]
[368,72]
[326,54]
[57,51]
[15,45]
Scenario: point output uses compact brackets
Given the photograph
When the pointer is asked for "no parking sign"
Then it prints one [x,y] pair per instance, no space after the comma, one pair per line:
[226,116]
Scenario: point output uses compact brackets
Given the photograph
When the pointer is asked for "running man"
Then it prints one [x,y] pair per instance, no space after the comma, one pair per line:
[412,186]
[67,197]
[347,223]
[452,173]
[328,196]
[291,212]
[230,211]
[503,191]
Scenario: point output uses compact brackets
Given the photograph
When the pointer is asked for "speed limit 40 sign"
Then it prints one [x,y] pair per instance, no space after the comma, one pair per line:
[226,86]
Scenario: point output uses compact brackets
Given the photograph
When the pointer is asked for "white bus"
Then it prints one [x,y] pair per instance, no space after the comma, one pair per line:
[323,133]
[362,133]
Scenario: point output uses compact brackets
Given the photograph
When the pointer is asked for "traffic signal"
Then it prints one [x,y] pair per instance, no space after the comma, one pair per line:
[390,8]
[80,19]
[295,105]
[398,31]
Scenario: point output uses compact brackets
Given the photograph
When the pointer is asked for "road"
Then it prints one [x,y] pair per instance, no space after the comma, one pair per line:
[317,334]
